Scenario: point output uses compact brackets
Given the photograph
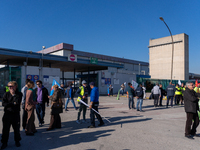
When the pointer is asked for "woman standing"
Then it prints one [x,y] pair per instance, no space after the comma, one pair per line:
[56,109]
[29,107]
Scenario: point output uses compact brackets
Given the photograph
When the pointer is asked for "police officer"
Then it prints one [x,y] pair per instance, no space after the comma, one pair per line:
[11,102]
[94,103]
[82,93]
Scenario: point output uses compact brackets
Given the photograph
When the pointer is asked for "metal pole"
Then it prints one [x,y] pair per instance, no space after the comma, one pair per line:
[172,46]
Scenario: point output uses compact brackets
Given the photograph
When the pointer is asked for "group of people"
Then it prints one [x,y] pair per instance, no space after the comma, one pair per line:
[31,99]
[171,91]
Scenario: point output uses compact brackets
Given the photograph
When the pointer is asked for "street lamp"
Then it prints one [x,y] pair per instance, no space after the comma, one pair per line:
[161,18]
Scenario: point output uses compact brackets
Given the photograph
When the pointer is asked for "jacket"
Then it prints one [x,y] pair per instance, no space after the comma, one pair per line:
[156,90]
[85,93]
[12,103]
[57,95]
[45,95]
[191,101]
[170,90]
[130,91]
[94,95]
[29,104]
[163,92]
[139,92]
[69,92]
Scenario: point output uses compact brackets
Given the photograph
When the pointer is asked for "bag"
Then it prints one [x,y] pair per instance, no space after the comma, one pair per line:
[151,96]
[57,104]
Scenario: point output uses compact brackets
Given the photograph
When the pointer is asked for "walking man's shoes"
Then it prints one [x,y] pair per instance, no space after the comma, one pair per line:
[17,144]
[4,145]
[196,135]
[189,137]
[91,126]
[101,124]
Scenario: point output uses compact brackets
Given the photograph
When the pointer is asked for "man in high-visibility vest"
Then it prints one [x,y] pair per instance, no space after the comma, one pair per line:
[178,95]
[82,93]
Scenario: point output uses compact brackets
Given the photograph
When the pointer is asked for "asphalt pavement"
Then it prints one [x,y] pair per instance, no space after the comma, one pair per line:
[155,129]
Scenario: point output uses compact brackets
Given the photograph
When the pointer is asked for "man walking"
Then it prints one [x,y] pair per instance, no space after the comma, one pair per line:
[42,98]
[70,96]
[139,94]
[94,103]
[170,93]
[82,93]
[11,102]
[156,94]
[131,94]
[25,115]
[191,107]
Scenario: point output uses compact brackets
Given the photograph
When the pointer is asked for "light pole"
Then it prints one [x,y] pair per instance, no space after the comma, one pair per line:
[161,18]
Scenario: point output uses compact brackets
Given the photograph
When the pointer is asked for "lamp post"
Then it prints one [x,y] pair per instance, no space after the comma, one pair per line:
[161,18]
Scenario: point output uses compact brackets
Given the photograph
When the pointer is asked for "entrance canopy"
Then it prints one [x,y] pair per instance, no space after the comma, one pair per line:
[17,58]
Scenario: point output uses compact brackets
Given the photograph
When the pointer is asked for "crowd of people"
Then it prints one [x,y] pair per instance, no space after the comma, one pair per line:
[37,99]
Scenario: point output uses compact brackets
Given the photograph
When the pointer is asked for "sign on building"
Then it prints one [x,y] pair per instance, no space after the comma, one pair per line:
[93,60]
[72,57]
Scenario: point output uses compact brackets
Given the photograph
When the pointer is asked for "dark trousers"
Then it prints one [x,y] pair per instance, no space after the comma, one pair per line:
[156,97]
[168,98]
[93,114]
[84,108]
[161,98]
[178,98]
[24,118]
[190,118]
[131,102]
[8,120]
[55,121]
[111,92]
[40,110]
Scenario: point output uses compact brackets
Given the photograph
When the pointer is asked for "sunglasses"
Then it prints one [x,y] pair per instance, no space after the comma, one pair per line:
[10,86]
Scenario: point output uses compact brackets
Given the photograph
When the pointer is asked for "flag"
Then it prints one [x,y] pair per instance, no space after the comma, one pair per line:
[179,82]
[54,83]
[108,89]
[196,83]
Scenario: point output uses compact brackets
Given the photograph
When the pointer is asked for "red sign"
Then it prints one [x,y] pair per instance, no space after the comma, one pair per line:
[72,57]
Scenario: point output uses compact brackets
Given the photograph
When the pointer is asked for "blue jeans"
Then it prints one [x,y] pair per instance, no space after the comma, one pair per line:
[131,102]
[67,101]
[168,98]
[40,110]
[139,100]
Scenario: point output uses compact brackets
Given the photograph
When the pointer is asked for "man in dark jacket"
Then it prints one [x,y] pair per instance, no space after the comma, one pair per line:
[42,98]
[82,93]
[139,94]
[70,96]
[11,102]
[131,94]
[191,107]
[170,93]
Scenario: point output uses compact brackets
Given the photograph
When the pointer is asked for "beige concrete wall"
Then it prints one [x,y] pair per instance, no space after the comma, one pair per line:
[160,57]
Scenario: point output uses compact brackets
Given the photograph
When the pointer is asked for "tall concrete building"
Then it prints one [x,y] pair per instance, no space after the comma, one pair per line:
[160,57]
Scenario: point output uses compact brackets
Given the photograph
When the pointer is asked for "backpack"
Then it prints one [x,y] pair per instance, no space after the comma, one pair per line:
[139,92]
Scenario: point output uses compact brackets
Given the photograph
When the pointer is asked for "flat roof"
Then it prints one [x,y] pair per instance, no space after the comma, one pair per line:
[18,57]
[65,46]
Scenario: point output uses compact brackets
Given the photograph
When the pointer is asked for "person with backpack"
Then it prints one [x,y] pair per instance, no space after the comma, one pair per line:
[139,95]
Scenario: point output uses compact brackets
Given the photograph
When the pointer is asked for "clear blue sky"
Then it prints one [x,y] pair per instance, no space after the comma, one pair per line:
[120,28]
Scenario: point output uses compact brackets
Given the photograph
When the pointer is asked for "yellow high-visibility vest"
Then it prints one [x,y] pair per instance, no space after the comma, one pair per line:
[178,92]
[81,93]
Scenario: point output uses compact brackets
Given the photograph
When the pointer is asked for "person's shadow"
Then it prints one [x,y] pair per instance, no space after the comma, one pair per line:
[71,133]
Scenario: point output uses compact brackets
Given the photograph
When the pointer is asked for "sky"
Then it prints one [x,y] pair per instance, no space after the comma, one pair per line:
[120,28]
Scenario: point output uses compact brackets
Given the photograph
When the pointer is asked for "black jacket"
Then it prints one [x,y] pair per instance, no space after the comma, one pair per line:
[139,92]
[191,100]
[45,95]
[12,103]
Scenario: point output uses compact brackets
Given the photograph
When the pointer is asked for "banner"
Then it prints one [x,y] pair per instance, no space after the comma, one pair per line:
[134,84]
[179,82]
[54,83]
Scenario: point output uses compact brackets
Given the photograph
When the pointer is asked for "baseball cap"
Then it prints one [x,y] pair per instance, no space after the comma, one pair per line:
[84,82]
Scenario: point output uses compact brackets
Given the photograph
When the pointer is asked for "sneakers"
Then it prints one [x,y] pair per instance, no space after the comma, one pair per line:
[83,121]
[17,144]
[4,145]
[91,126]
[101,124]
[189,137]
[78,121]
